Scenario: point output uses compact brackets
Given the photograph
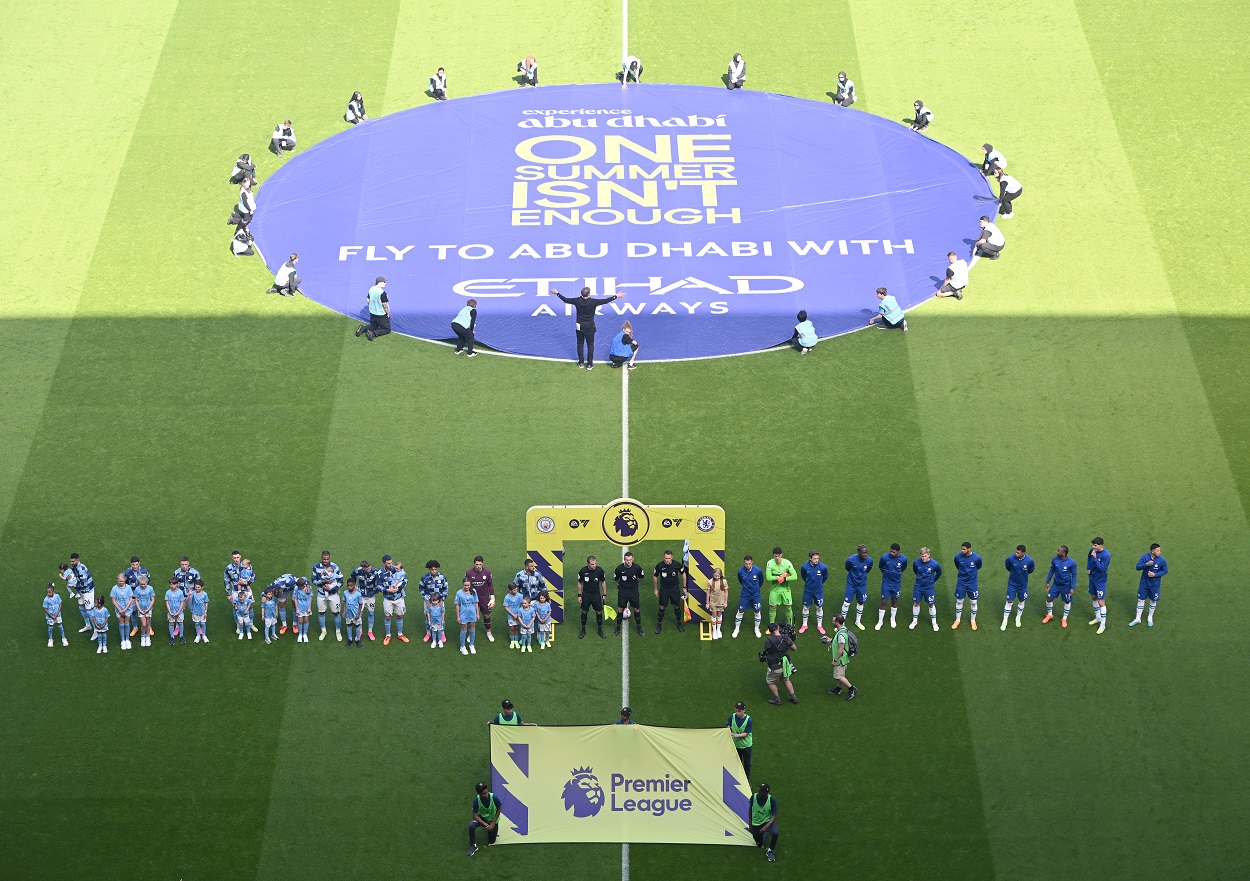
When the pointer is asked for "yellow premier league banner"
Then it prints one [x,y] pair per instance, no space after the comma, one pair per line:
[634,783]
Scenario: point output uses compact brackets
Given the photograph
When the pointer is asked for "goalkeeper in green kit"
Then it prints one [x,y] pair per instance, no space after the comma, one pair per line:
[780,574]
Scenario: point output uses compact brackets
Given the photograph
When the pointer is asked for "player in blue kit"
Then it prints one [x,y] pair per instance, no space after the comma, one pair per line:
[466,616]
[186,575]
[302,594]
[243,610]
[353,606]
[858,565]
[1060,582]
[814,574]
[78,579]
[123,597]
[433,582]
[751,578]
[133,571]
[367,582]
[927,571]
[967,565]
[145,601]
[230,578]
[269,615]
[892,566]
[1152,567]
[175,610]
[281,587]
[437,613]
[52,612]
[1096,569]
[1019,566]
[526,617]
[198,602]
[512,608]
[329,580]
[100,626]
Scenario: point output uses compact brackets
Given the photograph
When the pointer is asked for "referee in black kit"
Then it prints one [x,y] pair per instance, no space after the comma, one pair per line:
[669,580]
[592,592]
[628,575]
[586,306]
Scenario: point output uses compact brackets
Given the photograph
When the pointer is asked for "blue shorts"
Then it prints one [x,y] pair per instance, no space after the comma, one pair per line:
[891,591]
[1147,592]
[1056,590]
[961,592]
[926,592]
[749,599]
[1017,593]
[1099,591]
[814,597]
[860,594]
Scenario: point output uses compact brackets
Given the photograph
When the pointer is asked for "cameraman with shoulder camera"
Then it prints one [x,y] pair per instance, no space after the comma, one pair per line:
[777,646]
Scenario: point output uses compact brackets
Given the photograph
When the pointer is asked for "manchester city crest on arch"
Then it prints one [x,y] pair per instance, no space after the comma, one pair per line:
[582,794]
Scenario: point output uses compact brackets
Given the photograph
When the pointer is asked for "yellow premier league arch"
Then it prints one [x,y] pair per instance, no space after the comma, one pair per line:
[698,529]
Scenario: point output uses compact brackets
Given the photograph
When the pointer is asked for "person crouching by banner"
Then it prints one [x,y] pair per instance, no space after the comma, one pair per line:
[740,726]
[438,85]
[624,348]
[486,811]
[631,70]
[355,109]
[379,312]
[804,338]
[777,647]
[528,69]
[241,244]
[283,139]
[764,821]
[285,281]
[244,169]
[464,325]
[737,76]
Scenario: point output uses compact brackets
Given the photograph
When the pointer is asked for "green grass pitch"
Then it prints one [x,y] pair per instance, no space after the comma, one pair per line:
[153,401]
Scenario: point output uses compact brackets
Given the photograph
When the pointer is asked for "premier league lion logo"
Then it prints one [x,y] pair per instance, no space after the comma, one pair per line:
[582,794]
[626,523]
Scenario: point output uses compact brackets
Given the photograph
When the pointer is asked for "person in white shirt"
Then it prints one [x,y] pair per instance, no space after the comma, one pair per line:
[923,118]
[1009,189]
[283,137]
[528,69]
[956,278]
[241,244]
[737,72]
[990,244]
[285,281]
[631,70]
[438,85]
[246,206]
[845,96]
[993,160]
[244,169]
[356,109]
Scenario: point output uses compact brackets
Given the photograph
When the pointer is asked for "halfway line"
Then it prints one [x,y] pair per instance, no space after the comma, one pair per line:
[624,495]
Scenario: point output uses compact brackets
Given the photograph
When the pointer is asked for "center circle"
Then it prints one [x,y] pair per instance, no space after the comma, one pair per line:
[719,214]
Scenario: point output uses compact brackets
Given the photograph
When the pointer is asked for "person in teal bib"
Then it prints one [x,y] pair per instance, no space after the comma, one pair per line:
[740,726]
[764,820]
[486,811]
[509,716]
[379,311]
[889,312]
[465,325]
[804,338]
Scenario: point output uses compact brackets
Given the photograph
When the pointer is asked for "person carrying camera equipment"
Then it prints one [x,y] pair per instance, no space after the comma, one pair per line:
[777,646]
[840,646]
[244,169]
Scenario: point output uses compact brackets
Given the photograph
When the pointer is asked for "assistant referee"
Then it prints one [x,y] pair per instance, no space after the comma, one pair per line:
[628,575]
[592,592]
[669,581]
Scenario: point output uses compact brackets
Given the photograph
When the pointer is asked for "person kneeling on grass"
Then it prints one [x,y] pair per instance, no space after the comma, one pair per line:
[486,810]
[624,348]
[631,70]
[737,72]
[283,138]
[804,338]
[244,170]
[923,117]
[241,244]
[438,85]
[356,109]
[764,821]
[379,312]
[285,281]
[464,325]
[528,69]
[990,244]
[889,313]
[956,277]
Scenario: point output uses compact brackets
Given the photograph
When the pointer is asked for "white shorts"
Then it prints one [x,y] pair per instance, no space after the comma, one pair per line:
[87,599]
[332,601]
[370,603]
[54,621]
[199,619]
[304,613]
[175,619]
[269,622]
[394,608]
[146,616]
[353,622]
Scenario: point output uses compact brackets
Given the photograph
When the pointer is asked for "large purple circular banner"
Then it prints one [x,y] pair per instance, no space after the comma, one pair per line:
[718,214]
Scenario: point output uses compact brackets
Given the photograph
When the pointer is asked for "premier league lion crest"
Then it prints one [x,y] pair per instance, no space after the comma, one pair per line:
[582,794]
[626,522]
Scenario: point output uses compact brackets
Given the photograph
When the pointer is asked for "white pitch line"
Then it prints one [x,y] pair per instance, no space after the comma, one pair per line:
[624,495]
[624,29]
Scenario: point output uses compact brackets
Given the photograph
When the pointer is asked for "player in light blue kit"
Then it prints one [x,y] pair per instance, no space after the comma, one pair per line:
[1096,568]
[466,615]
[243,610]
[892,567]
[353,606]
[543,624]
[437,614]
[433,582]
[100,626]
[123,597]
[329,580]
[927,571]
[175,610]
[145,602]
[1060,582]
[814,574]
[1152,567]
[269,615]
[858,565]
[751,578]
[198,601]
[1019,566]
[52,611]
[303,606]
[526,618]
[967,565]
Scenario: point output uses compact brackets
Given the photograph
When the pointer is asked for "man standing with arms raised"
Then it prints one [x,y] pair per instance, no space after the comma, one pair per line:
[586,306]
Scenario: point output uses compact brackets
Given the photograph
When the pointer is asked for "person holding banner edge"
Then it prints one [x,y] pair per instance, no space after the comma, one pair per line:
[740,726]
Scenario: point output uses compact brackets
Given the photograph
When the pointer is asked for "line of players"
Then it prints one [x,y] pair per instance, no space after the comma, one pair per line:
[1061,583]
